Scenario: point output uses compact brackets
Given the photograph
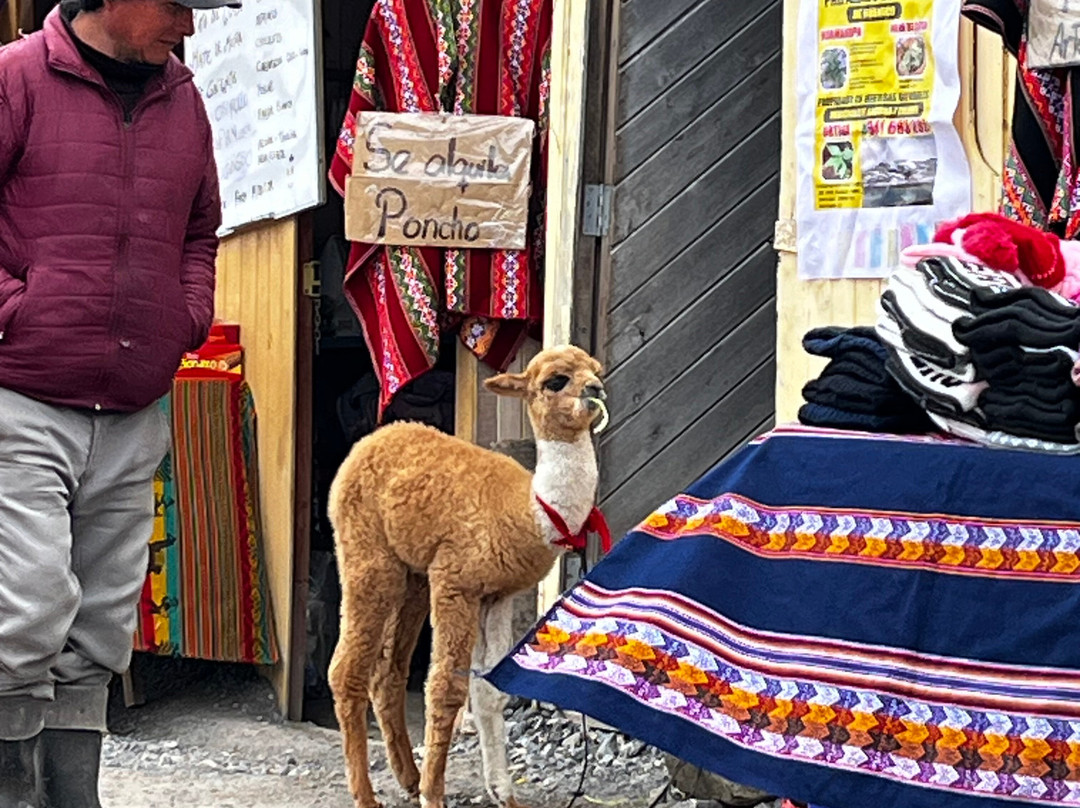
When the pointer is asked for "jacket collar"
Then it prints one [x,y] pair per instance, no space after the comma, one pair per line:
[62,55]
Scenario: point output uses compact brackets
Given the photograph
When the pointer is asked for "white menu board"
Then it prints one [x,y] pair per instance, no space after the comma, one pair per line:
[256,70]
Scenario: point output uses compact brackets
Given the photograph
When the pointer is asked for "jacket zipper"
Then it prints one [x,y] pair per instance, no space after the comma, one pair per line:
[122,265]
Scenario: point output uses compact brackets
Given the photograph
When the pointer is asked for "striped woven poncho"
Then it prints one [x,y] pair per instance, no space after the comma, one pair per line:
[489,57]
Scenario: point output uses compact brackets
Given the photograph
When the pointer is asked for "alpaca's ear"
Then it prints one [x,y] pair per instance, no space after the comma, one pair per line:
[508,384]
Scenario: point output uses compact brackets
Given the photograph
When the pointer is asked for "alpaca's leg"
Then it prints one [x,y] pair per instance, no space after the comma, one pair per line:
[493,642]
[391,677]
[372,590]
[454,618]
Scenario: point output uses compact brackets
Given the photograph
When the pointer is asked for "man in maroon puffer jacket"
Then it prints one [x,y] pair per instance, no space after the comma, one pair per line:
[109,209]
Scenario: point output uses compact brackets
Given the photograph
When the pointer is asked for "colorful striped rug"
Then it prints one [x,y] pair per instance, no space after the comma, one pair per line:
[206,595]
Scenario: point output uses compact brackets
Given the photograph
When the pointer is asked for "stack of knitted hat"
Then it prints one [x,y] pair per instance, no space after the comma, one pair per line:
[1024,343]
[915,322]
[855,391]
[989,352]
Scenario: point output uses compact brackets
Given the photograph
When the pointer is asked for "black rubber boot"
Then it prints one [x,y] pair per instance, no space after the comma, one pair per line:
[20,765]
[70,761]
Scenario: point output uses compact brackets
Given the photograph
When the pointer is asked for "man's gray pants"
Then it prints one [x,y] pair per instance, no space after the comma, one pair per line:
[76,514]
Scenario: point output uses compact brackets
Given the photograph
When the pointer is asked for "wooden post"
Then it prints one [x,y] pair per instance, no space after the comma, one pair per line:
[466,380]
[570,37]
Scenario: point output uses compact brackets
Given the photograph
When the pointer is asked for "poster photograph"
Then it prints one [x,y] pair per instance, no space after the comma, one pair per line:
[880,163]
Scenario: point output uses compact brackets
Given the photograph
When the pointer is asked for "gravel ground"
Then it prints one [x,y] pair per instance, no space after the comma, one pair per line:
[209,736]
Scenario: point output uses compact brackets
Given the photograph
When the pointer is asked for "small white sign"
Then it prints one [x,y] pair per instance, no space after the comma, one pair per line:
[255,68]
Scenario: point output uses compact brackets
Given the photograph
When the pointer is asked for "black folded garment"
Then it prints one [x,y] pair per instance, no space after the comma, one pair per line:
[1023,322]
[1004,404]
[835,341]
[919,342]
[1053,305]
[1027,429]
[1030,419]
[861,366]
[928,399]
[1049,394]
[847,393]
[955,281]
[914,422]
[1044,374]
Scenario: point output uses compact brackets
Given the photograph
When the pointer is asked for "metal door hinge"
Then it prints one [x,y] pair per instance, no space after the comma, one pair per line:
[596,216]
[312,284]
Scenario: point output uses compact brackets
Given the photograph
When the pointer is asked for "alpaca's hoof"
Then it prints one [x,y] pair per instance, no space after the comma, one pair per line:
[496,796]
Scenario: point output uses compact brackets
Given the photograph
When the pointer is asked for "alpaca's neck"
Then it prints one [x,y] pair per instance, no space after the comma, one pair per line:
[565,478]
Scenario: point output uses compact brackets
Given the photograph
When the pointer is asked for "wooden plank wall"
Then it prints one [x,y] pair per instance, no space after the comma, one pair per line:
[982,120]
[690,331]
[257,288]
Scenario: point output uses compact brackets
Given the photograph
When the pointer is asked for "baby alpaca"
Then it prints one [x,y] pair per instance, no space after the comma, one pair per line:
[424,520]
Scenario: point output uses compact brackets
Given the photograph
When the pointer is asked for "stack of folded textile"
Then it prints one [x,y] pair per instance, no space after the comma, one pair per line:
[855,391]
[988,358]
[1024,343]
[915,321]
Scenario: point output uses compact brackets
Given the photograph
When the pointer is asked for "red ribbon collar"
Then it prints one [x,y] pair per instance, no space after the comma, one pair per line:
[595,523]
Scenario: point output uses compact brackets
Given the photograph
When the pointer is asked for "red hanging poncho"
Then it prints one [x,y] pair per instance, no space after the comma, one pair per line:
[489,57]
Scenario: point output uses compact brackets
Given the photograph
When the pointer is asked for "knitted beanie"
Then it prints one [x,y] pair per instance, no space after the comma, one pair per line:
[1021,420]
[914,323]
[889,331]
[912,423]
[935,389]
[849,393]
[916,340]
[1052,304]
[1004,244]
[1013,367]
[929,313]
[860,366]
[954,280]
[1022,322]
[833,341]
[1003,402]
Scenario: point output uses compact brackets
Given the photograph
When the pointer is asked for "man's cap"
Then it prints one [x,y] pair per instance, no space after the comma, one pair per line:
[208,4]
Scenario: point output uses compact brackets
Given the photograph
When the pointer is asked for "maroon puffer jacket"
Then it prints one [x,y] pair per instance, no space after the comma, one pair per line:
[107,228]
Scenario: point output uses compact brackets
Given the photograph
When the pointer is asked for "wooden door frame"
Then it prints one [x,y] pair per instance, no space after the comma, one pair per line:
[303,424]
[592,258]
[581,138]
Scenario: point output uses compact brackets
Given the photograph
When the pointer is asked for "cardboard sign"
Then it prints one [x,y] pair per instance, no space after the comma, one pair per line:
[438,180]
[1053,33]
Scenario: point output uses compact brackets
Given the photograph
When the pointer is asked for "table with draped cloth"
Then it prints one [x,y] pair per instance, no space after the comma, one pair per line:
[847,619]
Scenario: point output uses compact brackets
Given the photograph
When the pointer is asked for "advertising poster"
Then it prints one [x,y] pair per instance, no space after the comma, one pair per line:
[880,163]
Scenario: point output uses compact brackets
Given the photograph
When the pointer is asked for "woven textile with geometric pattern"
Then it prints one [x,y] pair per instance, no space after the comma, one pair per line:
[206,595]
[846,619]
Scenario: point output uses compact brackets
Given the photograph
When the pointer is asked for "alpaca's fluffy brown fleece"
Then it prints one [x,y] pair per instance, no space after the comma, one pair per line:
[422,519]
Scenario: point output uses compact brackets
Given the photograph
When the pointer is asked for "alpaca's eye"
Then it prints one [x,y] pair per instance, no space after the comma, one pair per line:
[556,383]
